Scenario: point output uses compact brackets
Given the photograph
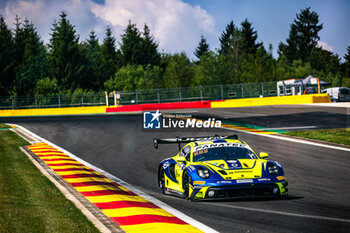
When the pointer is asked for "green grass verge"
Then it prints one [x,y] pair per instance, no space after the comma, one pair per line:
[3,126]
[29,202]
[341,136]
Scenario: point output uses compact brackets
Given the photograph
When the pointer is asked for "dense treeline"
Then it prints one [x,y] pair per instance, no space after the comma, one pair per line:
[68,65]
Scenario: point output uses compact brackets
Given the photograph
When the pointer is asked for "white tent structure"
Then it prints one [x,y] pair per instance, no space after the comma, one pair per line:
[309,85]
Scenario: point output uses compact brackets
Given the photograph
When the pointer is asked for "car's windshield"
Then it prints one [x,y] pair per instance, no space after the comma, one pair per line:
[223,153]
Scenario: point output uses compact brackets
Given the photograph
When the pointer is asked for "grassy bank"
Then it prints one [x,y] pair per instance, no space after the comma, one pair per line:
[341,136]
[29,202]
[3,126]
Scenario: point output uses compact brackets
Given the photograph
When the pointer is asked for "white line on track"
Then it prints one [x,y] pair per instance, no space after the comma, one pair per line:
[282,213]
[155,201]
[296,127]
[292,140]
[341,104]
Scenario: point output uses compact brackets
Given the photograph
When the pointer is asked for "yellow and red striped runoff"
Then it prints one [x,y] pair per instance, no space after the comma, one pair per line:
[258,131]
[130,211]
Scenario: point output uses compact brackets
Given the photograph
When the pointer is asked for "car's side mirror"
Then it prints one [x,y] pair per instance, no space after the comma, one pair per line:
[263,155]
[181,159]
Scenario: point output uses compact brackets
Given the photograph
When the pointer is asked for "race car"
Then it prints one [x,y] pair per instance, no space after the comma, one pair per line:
[219,167]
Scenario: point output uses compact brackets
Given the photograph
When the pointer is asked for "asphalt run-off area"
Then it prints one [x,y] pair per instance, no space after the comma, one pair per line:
[318,176]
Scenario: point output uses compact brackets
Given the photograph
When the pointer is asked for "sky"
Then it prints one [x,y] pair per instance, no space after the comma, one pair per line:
[178,24]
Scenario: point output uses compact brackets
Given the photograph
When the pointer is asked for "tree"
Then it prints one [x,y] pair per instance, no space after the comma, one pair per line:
[346,68]
[46,86]
[179,72]
[108,66]
[347,55]
[32,57]
[152,78]
[202,48]
[18,41]
[150,52]
[206,71]
[65,56]
[93,58]
[290,50]
[249,36]
[125,79]
[226,38]
[7,60]
[346,64]
[229,55]
[303,36]
[323,60]
[132,45]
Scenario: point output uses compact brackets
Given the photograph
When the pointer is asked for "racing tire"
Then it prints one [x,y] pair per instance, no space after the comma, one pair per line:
[186,184]
[161,180]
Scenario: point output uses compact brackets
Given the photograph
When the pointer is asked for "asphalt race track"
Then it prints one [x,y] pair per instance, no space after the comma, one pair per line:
[318,177]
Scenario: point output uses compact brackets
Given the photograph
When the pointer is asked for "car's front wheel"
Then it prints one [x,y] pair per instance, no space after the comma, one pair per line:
[161,179]
[186,184]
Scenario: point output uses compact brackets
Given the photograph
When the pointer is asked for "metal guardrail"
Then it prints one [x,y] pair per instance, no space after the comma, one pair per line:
[162,95]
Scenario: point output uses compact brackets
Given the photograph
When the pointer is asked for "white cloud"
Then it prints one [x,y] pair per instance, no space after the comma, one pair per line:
[325,46]
[176,25]
[43,13]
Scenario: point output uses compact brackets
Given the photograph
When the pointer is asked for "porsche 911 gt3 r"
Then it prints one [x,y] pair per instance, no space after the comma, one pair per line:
[219,167]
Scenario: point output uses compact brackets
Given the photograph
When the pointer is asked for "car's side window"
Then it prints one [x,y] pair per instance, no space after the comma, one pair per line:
[186,152]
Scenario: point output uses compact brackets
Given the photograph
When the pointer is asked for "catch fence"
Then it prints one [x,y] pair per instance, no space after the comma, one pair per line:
[162,95]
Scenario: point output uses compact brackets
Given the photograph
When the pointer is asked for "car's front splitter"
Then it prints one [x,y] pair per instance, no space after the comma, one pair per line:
[239,191]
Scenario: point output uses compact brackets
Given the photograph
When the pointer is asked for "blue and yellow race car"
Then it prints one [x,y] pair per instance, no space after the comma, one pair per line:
[219,167]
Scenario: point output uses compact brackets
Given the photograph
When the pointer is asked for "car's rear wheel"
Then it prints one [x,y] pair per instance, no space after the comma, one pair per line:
[161,179]
[186,184]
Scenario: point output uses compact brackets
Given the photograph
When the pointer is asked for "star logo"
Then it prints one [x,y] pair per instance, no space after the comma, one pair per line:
[151,120]
[155,115]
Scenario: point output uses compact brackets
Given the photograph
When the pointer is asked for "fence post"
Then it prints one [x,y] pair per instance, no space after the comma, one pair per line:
[115,98]
[158,95]
[36,102]
[201,91]
[106,98]
[59,100]
[82,99]
[13,103]
[137,97]
[180,94]
[242,86]
[222,92]
[262,89]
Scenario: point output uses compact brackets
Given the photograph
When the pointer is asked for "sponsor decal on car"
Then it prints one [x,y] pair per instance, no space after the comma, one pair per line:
[191,168]
[264,179]
[198,182]
[166,165]
[234,164]
[173,191]
[200,152]
[240,171]
[244,181]
[224,182]
[215,145]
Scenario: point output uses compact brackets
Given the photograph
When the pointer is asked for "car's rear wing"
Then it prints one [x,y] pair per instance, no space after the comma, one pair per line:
[178,140]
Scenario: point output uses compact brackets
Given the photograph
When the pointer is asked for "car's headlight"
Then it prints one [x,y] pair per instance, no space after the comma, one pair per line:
[203,172]
[272,168]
